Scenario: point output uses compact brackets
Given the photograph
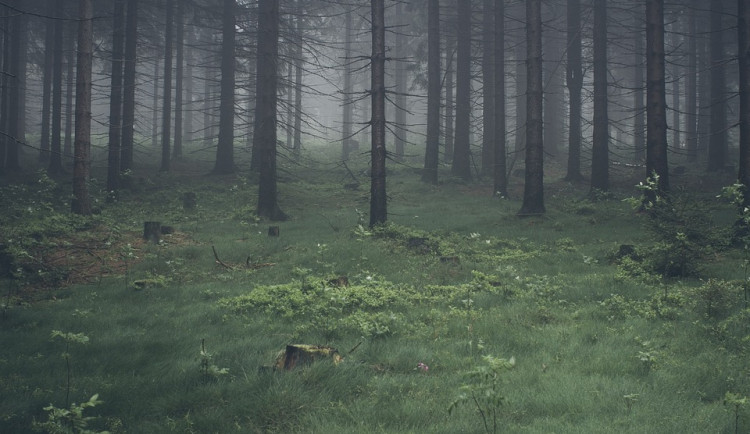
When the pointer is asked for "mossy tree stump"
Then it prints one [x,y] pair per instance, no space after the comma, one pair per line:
[302,355]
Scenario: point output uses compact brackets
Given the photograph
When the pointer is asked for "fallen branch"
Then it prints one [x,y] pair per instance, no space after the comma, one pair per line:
[219,261]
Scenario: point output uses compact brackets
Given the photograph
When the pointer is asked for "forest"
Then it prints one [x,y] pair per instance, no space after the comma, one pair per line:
[422,216]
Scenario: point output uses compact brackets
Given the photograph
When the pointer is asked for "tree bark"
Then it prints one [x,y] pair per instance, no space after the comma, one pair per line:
[348,106]
[128,104]
[298,61]
[600,150]
[432,145]
[639,118]
[378,200]
[70,90]
[574,82]
[55,163]
[264,138]
[488,87]
[81,164]
[533,195]
[166,110]
[461,166]
[691,121]
[179,78]
[500,177]
[450,119]
[225,148]
[717,145]
[743,38]
[115,100]
[656,134]
[44,146]
[400,76]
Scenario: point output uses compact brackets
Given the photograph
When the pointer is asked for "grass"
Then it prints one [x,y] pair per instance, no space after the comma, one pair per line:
[597,347]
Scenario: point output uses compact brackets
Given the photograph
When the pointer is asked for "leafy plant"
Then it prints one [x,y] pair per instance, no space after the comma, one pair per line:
[736,401]
[69,420]
[68,338]
[208,367]
[483,390]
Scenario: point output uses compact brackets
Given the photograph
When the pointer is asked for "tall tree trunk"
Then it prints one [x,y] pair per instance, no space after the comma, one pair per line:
[488,87]
[500,177]
[264,140]
[115,100]
[450,118]
[656,134]
[521,85]
[743,38]
[704,93]
[70,90]
[399,127]
[21,60]
[533,194]
[82,160]
[179,78]
[600,144]
[574,81]
[432,145]
[378,199]
[44,146]
[225,148]
[166,110]
[128,103]
[187,114]
[675,108]
[14,82]
[553,84]
[298,61]
[639,118]
[55,163]
[348,106]
[691,121]
[155,106]
[461,166]
[717,146]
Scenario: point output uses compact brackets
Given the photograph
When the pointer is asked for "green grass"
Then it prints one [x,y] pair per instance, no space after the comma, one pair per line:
[597,349]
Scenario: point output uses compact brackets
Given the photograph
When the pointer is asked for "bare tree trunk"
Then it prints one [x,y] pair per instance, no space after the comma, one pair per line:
[656,135]
[13,89]
[189,82]
[225,148]
[298,60]
[461,166]
[166,110]
[82,164]
[128,104]
[574,81]
[399,124]
[55,162]
[533,195]
[675,108]
[115,100]
[600,144]
[44,146]
[691,121]
[743,38]
[155,106]
[70,90]
[639,119]
[432,145]
[348,106]
[264,138]
[378,199]
[500,176]
[179,78]
[488,87]
[717,146]
[521,85]
[449,96]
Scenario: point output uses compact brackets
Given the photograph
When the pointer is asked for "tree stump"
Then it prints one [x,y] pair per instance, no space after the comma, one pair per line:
[273,231]
[152,231]
[302,355]
[189,201]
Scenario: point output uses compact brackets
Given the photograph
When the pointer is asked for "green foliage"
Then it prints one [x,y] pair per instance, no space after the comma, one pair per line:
[208,367]
[736,402]
[483,390]
[69,420]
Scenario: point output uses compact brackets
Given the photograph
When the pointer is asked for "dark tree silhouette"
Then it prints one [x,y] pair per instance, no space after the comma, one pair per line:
[179,80]
[81,203]
[656,134]
[500,177]
[432,146]
[115,100]
[639,118]
[461,166]
[488,87]
[166,111]
[378,199]
[717,145]
[600,149]
[348,104]
[574,81]
[128,103]
[55,163]
[691,98]
[533,194]
[225,148]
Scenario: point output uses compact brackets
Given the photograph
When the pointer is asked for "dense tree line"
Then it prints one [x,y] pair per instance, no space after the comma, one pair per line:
[437,82]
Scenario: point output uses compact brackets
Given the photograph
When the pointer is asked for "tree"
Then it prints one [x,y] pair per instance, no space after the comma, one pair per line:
[81,164]
[533,195]
[743,38]
[600,150]
[128,103]
[461,166]
[500,166]
[717,146]
[225,148]
[115,101]
[488,87]
[574,82]
[639,121]
[49,31]
[691,121]
[399,124]
[656,113]
[55,163]
[166,116]
[432,146]
[264,135]
[180,77]
[348,104]
[378,199]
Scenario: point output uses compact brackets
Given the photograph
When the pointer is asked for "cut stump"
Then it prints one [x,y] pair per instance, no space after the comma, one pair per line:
[152,231]
[302,355]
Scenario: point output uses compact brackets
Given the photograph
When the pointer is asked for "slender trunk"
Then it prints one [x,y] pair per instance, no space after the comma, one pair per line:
[166,110]
[225,147]
[639,120]
[179,77]
[717,146]
[500,176]
[70,90]
[449,97]
[399,126]
[55,163]
[432,146]
[743,38]
[298,61]
[521,85]
[81,164]
[691,121]
[155,106]
[656,135]
[461,166]
[44,146]
[187,114]
[115,101]
[533,195]
[128,104]
[600,144]
[378,199]
[488,88]
[574,81]
[348,106]
[676,128]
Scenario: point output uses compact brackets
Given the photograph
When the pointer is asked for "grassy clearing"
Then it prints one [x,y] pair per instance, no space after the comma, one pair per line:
[601,343]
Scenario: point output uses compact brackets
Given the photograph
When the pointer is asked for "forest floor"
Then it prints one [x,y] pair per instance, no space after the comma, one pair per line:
[457,316]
